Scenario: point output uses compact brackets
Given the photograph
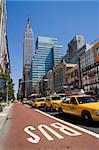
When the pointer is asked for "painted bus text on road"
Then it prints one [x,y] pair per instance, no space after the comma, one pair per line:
[44,128]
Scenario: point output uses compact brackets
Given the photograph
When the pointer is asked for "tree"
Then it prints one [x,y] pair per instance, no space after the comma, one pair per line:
[9,85]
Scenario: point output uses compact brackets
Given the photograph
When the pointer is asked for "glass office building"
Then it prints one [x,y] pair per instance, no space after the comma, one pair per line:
[47,55]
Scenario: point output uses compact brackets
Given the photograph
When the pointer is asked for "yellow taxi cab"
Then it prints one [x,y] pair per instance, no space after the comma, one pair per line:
[25,101]
[53,102]
[38,102]
[84,106]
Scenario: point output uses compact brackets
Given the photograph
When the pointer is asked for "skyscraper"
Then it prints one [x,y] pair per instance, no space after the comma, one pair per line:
[4,53]
[48,54]
[28,44]
[28,50]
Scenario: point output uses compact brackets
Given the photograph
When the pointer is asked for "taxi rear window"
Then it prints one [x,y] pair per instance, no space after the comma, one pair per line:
[87,99]
[56,98]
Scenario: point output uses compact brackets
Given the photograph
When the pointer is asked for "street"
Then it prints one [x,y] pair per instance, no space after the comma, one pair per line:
[94,126]
[28,129]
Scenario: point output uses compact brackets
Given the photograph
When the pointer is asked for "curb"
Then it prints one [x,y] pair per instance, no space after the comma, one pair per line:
[3,120]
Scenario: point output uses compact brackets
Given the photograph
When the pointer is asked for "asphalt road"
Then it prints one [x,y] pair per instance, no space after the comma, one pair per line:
[32,129]
[94,126]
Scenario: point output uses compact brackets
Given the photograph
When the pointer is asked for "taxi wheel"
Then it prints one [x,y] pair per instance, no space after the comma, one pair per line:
[60,110]
[45,108]
[86,117]
[35,105]
[51,108]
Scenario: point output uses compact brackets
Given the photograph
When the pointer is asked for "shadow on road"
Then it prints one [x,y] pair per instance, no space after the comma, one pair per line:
[72,119]
[76,120]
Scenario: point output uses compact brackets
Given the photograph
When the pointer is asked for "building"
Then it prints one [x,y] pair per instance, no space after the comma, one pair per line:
[74,45]
[20,93]
[4,53]
[28,47]
[72,75]
[75,48]
[65,73]
[28,50]
[50,88]
[47,55]
[89,66]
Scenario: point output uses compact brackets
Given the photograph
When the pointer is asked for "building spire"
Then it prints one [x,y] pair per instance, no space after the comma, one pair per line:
[28,22]
[28,27]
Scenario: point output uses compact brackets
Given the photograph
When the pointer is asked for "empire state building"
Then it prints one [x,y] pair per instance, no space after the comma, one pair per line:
[28,50]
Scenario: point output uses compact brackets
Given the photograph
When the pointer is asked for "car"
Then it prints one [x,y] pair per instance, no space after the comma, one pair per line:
[31,101]
[38,102]
[25,101]
[53,102]
[84,106]
[63,95]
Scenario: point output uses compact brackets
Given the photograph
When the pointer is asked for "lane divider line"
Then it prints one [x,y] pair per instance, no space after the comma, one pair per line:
[70,124]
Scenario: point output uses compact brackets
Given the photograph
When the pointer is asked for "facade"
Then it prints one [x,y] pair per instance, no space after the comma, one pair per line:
[89,66]
[47,55]
[58,77]
[43,86]
[28,51]
[28,46]
[50,87]
[72,75]
[4,53]
[20,94]
[74,45]
[75,48]
[27,83]
[65,73]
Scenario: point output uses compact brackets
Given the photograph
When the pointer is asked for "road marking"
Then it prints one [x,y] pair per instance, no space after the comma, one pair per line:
[69,124]
[34,138]
[46,131]
[63,129]
[43,131]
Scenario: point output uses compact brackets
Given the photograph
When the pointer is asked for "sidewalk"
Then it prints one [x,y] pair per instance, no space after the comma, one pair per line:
[4,114]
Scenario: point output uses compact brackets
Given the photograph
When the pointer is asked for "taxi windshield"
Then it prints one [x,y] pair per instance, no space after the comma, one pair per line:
[87,99]
[56,98]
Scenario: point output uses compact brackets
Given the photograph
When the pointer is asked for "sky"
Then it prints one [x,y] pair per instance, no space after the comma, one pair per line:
[60,19]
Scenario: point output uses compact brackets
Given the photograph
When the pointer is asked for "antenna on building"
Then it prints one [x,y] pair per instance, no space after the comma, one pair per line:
[28,22]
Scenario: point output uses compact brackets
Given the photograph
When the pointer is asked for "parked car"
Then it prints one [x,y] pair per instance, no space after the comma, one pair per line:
[38,102]
[84,106]
[53,102]
[63,95]
[25,101]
